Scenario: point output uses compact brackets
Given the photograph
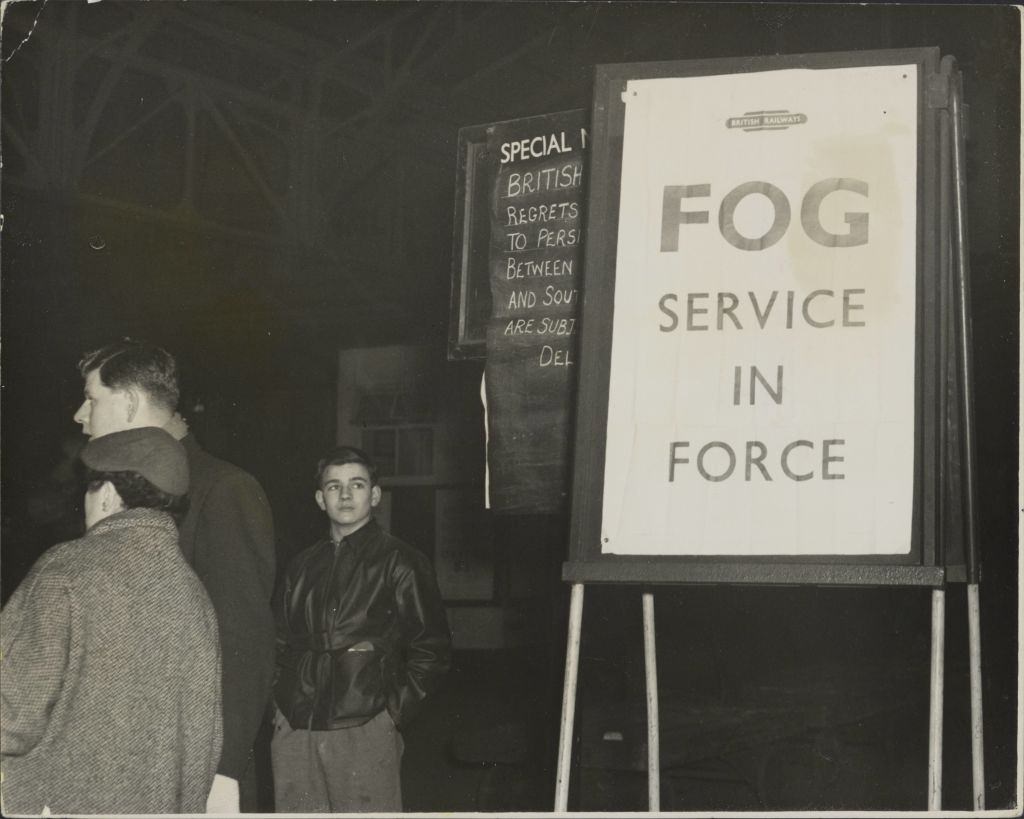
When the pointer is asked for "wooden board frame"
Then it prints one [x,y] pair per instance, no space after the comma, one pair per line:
[587,564]
[470,306]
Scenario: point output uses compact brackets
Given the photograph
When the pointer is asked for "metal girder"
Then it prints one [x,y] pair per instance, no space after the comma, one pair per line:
[314,56]
[291,110]
[140,30]
[409,92]
[199,20]
[160,68]
[369,128]
[405,106]
[361,75]
[21,145]
[240,151]
[128,130]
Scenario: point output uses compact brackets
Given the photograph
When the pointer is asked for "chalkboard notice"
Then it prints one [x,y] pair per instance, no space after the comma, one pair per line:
[535,263]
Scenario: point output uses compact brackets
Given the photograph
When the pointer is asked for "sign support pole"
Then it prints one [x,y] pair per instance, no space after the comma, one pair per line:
[977,732]
[651,674]
[962,296]
[572,662]
[935,699]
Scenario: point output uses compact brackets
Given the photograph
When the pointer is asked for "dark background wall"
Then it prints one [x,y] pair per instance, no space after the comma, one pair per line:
[259,185]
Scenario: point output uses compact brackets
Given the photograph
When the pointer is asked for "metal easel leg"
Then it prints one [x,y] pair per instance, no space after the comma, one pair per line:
[935,714]
[572,662]
[651,674]
[963,300]
[977,734]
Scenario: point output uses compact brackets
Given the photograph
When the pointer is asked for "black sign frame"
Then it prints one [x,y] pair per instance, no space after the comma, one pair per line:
[587,564]
[470,307]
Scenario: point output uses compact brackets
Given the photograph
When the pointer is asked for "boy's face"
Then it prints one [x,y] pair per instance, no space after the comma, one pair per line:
[347,496]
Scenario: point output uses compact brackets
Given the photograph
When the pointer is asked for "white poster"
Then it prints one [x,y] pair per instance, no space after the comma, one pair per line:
[761,397]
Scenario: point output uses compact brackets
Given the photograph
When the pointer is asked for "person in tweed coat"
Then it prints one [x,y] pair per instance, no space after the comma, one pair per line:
[111,662]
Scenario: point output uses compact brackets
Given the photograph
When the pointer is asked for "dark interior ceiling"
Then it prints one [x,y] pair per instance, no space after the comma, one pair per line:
[279,140]
[291,165]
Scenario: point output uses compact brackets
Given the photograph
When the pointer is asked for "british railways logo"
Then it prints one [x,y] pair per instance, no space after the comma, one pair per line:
[766,120]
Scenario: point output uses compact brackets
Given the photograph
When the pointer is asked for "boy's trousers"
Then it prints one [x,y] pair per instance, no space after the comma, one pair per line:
[347,770]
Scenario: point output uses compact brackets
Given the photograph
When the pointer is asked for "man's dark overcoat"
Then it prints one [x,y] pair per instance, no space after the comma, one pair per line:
[227,536]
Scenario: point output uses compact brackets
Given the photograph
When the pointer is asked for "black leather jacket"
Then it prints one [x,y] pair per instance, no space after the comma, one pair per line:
[360,627]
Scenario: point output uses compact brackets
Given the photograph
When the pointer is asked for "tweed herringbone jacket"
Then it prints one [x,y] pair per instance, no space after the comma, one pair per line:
[110,677]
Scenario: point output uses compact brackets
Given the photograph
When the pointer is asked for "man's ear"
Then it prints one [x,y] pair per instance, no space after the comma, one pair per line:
[110,500]
[375,494]
[320,500]
[132,397]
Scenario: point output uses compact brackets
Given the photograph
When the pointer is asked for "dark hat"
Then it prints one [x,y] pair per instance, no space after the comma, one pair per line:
[150,451]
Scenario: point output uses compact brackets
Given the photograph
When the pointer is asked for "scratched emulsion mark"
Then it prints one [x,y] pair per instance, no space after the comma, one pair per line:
[871,208]
[3,13]
[865,210]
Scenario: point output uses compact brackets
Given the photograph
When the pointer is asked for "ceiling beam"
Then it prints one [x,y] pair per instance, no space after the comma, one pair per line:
[368,139]
[140,31]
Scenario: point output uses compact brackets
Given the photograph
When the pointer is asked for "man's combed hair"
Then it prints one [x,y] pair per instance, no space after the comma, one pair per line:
[131,363]
[346,455]
[136,492]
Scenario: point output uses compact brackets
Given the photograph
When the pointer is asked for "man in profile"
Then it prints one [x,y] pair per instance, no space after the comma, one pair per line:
[227,536]
[362,639]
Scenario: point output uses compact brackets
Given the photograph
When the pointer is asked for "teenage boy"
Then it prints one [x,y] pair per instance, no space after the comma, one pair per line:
[362,639]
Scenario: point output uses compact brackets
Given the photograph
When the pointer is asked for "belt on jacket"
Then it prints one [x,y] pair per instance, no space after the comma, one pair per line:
[325,641]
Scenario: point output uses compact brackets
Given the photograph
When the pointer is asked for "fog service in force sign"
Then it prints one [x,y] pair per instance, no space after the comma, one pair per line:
[761,397]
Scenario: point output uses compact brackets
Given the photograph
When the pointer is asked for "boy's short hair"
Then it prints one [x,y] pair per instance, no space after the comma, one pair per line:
[132,363]
[346,455]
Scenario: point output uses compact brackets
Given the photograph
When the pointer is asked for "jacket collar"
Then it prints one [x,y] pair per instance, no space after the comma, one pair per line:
[364,534]
[191,444]
[132,518]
